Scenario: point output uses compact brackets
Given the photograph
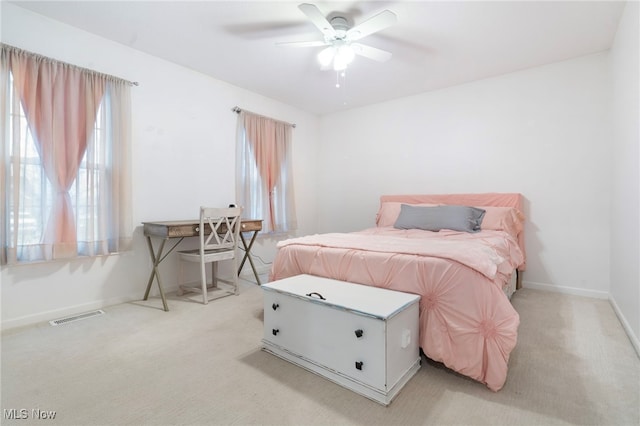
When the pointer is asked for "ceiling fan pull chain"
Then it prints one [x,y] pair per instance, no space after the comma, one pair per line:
[344,87]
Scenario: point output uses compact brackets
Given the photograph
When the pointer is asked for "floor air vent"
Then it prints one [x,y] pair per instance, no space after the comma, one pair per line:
[76,317]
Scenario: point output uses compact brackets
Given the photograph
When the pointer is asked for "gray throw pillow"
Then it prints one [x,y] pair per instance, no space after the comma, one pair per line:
[457,218]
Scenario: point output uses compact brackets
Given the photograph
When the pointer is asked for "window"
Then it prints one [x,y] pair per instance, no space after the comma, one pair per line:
[65,160]
[264,181]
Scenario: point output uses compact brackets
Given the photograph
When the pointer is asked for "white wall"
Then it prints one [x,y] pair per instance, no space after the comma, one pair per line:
[543,132]
[183,157]
[625,193]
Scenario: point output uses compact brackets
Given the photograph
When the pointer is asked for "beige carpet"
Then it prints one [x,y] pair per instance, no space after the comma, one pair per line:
[197,364]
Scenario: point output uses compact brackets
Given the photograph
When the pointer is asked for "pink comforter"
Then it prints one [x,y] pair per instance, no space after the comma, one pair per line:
[466,321]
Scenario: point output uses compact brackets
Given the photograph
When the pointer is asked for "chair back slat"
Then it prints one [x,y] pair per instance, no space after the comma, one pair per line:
[219,228]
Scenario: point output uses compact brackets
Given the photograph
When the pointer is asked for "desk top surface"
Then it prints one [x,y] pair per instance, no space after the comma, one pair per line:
[188,222]
[189,228]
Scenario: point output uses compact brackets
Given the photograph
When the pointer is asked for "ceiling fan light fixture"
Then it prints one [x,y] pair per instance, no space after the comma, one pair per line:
[326,56]
[345,53]
[338,64]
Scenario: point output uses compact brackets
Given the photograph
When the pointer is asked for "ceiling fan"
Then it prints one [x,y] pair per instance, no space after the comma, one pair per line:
[342,41]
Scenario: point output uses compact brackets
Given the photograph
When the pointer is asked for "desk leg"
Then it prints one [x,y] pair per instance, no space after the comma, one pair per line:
[247,255]
[156,258]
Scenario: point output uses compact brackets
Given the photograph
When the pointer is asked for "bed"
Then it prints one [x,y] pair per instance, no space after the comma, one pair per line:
[467,321]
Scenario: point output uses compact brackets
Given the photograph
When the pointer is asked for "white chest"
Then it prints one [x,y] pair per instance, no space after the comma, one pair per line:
[361,337]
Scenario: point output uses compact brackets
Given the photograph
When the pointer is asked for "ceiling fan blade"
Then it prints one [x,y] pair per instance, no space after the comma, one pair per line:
[371,52]
[376,23]
[317,18]
[302,43]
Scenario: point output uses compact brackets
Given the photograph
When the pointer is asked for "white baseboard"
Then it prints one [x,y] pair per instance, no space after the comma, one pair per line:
[33,319]
[593,294]
[625,324]
[596,294]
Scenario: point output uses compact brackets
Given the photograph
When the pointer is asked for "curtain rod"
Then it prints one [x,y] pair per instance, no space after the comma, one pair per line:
[237,110]
[37,55]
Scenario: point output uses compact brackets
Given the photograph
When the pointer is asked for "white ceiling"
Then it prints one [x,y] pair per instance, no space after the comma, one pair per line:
[434,44]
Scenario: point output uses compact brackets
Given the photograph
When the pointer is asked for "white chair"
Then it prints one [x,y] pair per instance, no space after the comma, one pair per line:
[219,231]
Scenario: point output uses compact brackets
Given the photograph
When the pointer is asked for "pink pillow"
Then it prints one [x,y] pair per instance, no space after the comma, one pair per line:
[390,210]
[508,219]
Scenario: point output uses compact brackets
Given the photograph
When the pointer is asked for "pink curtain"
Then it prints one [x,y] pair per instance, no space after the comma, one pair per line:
[60,102]
[268,144]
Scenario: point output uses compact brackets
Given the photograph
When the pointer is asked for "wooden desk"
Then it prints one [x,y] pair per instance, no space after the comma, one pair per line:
[182,229]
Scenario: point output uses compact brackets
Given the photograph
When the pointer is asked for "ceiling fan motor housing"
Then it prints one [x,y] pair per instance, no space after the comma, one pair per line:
[341,26]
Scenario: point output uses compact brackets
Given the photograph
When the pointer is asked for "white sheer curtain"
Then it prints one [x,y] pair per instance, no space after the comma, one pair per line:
[65,160]
[264,172]
[103,187]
